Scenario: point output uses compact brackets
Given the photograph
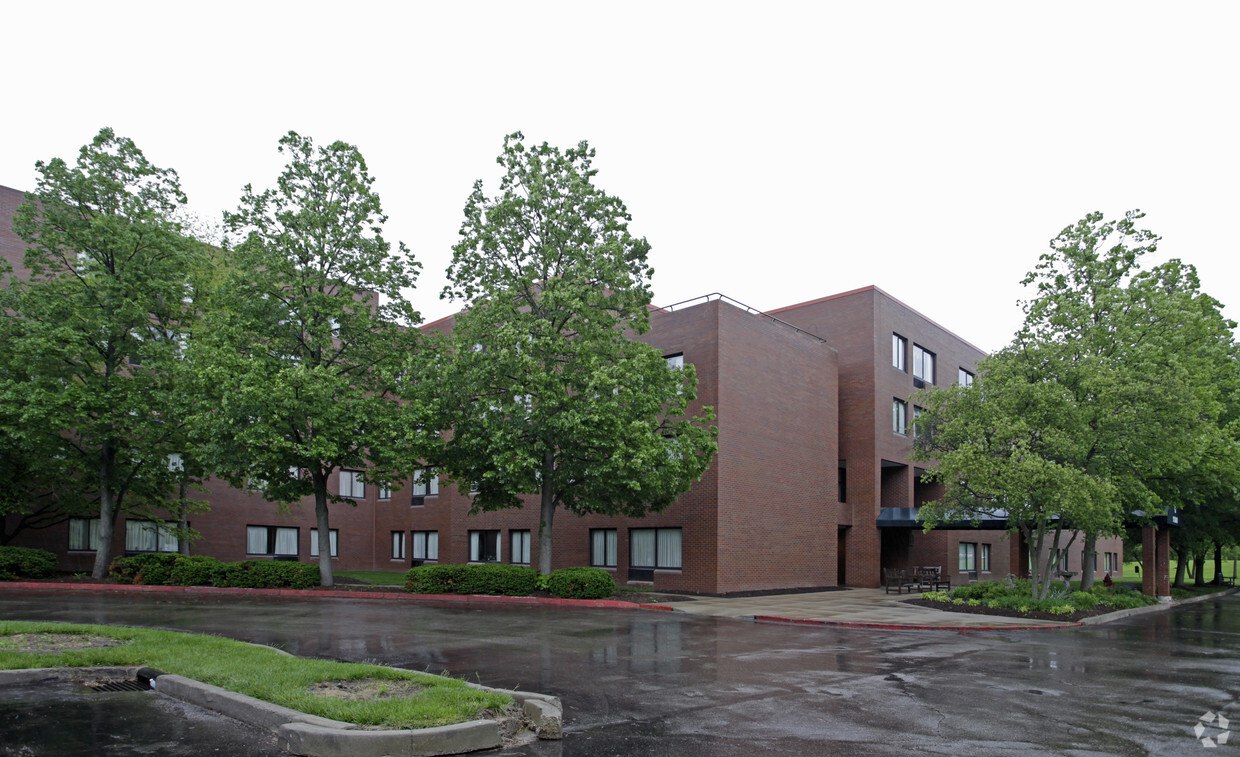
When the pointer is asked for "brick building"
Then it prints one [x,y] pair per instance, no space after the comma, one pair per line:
[813,485]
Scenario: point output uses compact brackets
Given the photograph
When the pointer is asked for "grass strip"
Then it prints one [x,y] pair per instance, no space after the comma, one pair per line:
[259,672]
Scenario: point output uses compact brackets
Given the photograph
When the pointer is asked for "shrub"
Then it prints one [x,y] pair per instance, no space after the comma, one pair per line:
[150,568]
[24,562]
[268,574]
[495,579]
[195,570]
[581,583]
[981,590]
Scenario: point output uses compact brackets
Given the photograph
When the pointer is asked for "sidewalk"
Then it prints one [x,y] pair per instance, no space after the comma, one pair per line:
[858,608]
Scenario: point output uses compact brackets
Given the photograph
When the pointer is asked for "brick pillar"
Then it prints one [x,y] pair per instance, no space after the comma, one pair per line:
[1018,555]
[1149,561]
[1163,539]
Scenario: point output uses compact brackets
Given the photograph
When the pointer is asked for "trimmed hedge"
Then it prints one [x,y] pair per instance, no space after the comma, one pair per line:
[493,579]
[581,583]
[166,569]
[24,562]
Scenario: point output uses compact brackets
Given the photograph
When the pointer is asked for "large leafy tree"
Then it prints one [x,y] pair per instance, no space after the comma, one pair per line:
[309,329]
[545,388]
[1110,389]
[93,374]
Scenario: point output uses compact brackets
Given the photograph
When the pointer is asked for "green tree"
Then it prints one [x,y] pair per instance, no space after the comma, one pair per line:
[94,376]
[1109,390]
[543,383]
[309,330]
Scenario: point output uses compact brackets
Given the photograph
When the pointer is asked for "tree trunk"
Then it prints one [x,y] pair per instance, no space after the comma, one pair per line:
[546,514]
[1199,566]
[326,577]
[1218,563]
[107,514]
[1089,561]
[183,522]
[1181,567]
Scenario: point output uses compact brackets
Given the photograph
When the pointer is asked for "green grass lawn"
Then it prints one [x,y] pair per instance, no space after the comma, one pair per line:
[377,577]
[255,671]
[1230,568]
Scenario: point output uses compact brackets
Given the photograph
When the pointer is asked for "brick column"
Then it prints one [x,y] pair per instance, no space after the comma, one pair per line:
[1149,561]
[1018,555]
[1163,539]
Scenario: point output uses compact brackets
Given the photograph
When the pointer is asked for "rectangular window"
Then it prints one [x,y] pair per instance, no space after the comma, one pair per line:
[965,379]
[351,484]
[425,484]
[923,364]
[984,557]
[385,492]
[968,557]
[425,545]
[657,548]
[675,362]
[603,547]
[484,546]
[314,542]
[270,540]
[398,545]
[899,416]
[917,411]
[148,536]
[83,534]
[899,352]
[520,547]
[843,482]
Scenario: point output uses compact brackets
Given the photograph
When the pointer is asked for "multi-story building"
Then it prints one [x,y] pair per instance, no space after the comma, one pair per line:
[813,485]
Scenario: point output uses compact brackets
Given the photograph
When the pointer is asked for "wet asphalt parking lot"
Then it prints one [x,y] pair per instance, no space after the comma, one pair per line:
[637,682]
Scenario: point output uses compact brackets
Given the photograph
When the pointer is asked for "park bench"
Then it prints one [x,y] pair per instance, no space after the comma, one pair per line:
[900,580]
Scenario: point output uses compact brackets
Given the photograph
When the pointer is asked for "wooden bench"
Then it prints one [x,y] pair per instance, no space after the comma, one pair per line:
[900,581]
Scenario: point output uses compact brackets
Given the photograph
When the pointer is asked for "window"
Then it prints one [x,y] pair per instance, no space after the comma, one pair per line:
[965,379]
[385,492]
[899,350]
[147,536]
[270,540]
[484,546]
[520,547]
[603,547]
[923,364]
[968,557]
[314,542]
[398,545]
[657,548]
[899,416]
[984,557]
[425,545]
[425,484]
[351,484]
[843,482]
[675,362]
[917,411]
[83,534]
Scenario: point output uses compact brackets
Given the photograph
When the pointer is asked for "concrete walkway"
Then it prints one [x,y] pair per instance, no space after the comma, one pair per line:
[864,608]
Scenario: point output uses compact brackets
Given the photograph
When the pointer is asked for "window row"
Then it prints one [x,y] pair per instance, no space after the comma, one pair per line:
[140,536]
[649,548]
[974,557]
[282,541]
[923,363]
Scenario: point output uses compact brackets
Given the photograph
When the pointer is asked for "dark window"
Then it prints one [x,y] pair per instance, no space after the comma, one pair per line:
[484,546]
[843,482]
[968,557]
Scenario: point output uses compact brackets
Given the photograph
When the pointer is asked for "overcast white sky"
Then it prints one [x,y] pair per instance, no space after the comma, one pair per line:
[775,152]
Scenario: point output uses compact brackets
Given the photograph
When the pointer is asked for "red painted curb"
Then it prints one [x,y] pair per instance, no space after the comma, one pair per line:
[337,594]
[908,627]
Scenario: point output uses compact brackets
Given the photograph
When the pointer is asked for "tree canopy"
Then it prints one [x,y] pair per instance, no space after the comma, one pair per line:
[543,382]
[1110,389]
[309,333]
[93,371]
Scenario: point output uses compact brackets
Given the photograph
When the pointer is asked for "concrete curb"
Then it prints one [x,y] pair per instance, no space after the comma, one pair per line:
[911,626]
[609,604]
[1120,614]
[315,736]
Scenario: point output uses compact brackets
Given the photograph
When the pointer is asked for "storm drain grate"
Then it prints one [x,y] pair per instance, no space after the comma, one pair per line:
[131,685]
